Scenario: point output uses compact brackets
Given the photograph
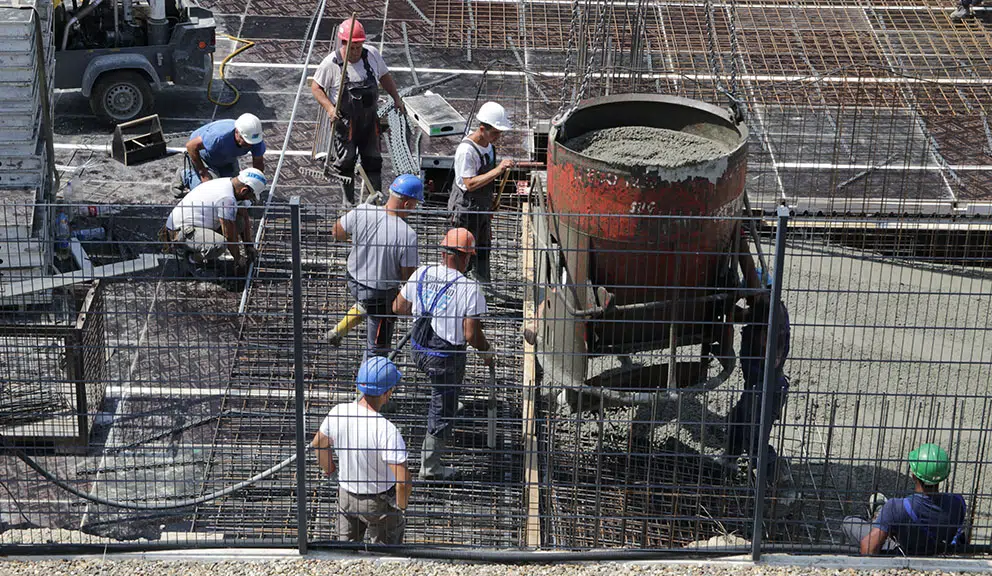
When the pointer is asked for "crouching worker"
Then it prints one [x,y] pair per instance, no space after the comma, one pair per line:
[214,218]
[926,523]
[447,307]
[373,478]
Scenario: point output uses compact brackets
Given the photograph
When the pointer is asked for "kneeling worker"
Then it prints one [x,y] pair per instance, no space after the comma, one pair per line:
[214,217]
[373,481]
[213,151]
[447,307]
[925,523]
[383,255]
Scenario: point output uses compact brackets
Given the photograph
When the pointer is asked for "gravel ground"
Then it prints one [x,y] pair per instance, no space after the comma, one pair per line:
[300,567]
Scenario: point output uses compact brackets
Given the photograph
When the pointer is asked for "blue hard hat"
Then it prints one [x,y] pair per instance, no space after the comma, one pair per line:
[408,186]
[377,375]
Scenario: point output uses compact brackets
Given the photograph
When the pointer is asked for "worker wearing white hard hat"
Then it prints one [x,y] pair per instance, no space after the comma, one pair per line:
[356,133]
[214,149]
[474,188]
[213,217]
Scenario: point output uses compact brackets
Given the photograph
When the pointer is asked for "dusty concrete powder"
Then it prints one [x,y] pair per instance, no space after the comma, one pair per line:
[644,146]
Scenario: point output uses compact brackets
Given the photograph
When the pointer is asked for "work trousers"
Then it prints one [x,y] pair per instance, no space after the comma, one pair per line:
[472,211]
[745,419]
[855,529]
[188,176]
[376,514]
[351,141]
[202,244]
[446,376]
[380,321]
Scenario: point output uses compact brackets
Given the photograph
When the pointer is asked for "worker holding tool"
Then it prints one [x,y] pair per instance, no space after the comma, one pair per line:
[925,523]
[373,478]
[471,200]
[214,217]
[356,129]
[383,254]
[213,151]
[447,307]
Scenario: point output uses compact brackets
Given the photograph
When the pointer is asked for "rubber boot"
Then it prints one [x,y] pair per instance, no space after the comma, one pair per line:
[875,503]
[179,184]
[960,14]
[430,462]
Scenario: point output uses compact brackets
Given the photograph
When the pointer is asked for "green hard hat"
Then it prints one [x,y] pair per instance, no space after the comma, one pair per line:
[930,464]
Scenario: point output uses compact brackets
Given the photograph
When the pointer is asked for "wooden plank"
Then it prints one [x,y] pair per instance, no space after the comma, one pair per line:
[144,262]
[532,488]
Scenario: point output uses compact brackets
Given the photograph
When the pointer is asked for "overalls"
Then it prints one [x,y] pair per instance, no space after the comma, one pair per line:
[465,208]
[443,362]
[357,131]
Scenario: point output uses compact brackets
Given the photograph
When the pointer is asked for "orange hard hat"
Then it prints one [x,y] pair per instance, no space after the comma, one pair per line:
[357,33]
[459,240]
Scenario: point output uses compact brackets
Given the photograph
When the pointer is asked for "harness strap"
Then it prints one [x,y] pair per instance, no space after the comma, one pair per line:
[926,530]
[427,313]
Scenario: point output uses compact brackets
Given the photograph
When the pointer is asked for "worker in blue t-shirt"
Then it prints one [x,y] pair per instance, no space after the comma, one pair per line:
[925,523]
[213,151]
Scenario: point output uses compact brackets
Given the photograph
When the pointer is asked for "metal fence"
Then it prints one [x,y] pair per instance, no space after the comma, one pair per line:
[140,408]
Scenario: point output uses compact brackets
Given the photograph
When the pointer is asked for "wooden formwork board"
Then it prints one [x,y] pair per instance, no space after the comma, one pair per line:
[532,530]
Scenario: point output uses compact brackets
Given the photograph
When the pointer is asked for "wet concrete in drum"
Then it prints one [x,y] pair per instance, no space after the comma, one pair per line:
[645,146]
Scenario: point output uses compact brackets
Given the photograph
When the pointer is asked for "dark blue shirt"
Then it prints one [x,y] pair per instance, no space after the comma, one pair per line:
[924,524]
[753,361]
[219,146]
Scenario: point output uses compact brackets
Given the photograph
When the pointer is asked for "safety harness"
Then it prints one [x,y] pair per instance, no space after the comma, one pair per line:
[957,540]
[423,338]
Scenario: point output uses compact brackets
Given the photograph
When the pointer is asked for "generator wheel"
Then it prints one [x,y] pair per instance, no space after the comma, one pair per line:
[121,96]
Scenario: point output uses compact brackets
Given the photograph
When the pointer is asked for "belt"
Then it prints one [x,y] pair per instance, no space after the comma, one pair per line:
[390,492]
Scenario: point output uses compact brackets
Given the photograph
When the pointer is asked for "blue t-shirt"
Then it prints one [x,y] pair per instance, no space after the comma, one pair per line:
[924,524]
[753,361]
[219,146]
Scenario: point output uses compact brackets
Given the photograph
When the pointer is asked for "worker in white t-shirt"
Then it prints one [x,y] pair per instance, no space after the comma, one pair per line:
[474,189]
[357,130]
[383,255]
[214,217]
[373,479]
[447,307]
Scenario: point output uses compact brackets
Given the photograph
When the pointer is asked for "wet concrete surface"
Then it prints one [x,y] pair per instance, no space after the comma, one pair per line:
[644,146]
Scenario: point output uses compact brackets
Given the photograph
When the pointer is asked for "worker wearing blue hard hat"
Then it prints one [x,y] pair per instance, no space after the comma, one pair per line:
[383,255]
[373,478]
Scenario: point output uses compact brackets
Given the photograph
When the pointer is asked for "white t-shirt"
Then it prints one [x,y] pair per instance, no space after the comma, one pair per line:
[467,162]
[366,444]
[462,300]
[381,244]
[205,205]
[329,73]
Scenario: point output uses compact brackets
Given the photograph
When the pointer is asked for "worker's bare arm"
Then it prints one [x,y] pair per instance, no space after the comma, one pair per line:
[404,484]
[402,306]
[339,232]
[325,453]
[872,543]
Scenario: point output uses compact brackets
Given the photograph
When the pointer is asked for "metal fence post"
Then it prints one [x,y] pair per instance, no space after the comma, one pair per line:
[301,454]
[767,393]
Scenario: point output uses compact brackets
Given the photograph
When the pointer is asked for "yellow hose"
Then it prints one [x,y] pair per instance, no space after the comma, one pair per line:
[246,44]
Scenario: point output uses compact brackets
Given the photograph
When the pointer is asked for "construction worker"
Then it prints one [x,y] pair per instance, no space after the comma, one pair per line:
[383,254]
[964,10]
[213,217]
[925,523]
[373,479]
[745,417]
[474,188]
[447,307]
[356,133]
[213,151]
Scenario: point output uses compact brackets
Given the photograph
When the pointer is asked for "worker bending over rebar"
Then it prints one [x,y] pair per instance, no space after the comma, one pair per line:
[373,478]
[447,307]
[925,523]
[383,255]
[213,218]
[472,195]
[356,130]
[213,151]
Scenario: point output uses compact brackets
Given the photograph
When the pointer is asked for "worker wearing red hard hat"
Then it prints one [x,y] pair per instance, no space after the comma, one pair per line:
[357,130]
[474,188]
[447,307]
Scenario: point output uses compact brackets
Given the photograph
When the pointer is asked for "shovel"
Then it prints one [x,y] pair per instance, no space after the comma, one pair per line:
[491,406]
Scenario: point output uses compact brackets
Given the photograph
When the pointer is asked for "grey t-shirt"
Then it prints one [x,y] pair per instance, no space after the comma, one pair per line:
[381,244]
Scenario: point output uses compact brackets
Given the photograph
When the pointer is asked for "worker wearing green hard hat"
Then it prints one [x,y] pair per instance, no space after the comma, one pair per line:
[924,523]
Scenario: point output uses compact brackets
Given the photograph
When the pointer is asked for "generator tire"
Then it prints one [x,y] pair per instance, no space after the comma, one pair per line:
[121,96]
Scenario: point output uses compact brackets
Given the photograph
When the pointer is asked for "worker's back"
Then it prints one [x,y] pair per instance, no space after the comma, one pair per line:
[205,205]
[382,244]
[925,524]
[366,443]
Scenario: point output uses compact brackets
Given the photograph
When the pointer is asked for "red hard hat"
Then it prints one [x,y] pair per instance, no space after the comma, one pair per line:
[459,240]
[357,34]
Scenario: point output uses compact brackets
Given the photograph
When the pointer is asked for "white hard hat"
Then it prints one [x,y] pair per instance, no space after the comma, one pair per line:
[254,179]
[495,115]
[250,128]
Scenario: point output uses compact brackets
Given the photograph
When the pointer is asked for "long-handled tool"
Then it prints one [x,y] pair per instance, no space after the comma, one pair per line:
[491,406]
[341,83]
